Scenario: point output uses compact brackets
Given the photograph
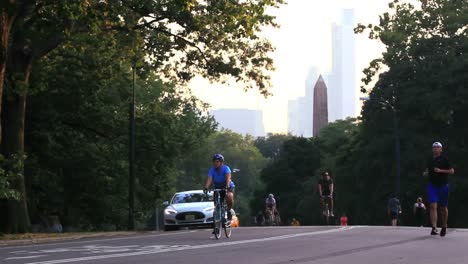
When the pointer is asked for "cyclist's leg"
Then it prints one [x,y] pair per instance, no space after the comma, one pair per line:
[331,204]
[322,204]
[230,198]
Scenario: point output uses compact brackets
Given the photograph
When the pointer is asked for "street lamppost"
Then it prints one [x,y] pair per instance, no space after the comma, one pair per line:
[396,134]
[131,157]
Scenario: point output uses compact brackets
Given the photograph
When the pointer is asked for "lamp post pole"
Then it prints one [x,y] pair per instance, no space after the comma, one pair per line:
[131,158]
[397,152]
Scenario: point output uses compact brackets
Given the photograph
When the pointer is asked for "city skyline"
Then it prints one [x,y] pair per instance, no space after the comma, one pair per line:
[342,85]
[304,41]
[242,121]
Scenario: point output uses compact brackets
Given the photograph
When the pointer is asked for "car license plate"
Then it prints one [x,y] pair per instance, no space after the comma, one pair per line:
[189,217]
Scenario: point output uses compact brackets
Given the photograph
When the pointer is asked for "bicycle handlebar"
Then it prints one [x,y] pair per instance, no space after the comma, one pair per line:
[217,190]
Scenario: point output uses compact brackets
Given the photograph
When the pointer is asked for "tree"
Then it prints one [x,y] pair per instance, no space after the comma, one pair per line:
[424,83]
[271,145]
[180,39]
[84,153]
[291,177]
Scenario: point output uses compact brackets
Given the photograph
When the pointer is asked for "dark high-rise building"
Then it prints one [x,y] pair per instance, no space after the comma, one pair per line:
[320,106]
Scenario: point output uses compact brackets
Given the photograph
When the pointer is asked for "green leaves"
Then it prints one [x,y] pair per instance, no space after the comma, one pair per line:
[424,80]
[15,165]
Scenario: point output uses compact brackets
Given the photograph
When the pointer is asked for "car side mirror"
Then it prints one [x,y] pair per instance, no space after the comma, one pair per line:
[165,203]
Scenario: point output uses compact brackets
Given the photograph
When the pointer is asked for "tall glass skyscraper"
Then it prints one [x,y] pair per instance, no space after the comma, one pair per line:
[342,91]
[300,110]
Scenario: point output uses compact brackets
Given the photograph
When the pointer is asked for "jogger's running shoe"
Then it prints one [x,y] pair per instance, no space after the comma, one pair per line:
[443,231]
[434,231]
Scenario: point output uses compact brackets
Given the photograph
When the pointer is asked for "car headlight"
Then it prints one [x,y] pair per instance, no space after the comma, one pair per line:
[209,209]
[170,211]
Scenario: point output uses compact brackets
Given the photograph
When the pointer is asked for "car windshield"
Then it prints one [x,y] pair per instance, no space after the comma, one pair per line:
[191,198]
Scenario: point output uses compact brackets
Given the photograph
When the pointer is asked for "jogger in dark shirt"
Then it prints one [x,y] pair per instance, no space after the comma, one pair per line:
[438,168]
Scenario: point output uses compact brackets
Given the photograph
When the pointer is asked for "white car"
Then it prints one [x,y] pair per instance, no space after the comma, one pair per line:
[190,208]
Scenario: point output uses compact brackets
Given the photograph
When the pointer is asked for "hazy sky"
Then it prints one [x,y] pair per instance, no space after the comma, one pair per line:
[303,41]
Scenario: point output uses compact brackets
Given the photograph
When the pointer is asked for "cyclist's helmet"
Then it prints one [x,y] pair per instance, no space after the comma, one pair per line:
[218,157]
[271,195]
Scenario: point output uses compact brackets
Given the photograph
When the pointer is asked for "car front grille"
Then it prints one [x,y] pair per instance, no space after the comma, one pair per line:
[190,216]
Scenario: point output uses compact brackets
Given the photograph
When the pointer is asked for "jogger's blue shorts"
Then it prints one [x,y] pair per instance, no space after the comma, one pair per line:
[438,194]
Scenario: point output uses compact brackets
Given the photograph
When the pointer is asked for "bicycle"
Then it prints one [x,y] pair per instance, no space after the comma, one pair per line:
[326,213]
[220,215]
[269,217]
[272,217]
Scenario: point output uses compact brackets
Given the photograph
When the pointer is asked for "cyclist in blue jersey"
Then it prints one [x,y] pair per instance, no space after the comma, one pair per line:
[220,176]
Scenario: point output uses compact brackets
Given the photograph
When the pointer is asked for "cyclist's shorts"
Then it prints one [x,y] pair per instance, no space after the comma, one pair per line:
[230,189]
[438,195]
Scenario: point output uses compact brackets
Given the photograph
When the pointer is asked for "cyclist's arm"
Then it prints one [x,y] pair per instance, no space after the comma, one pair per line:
[331,189]
[228,180]
[208,182]
[320,189]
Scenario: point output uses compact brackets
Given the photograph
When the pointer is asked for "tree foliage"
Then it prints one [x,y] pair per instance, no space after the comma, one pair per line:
[178,39]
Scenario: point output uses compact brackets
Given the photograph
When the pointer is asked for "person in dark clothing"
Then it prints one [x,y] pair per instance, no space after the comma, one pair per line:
[438,168]
[326,188]
[419,210]
[393,209]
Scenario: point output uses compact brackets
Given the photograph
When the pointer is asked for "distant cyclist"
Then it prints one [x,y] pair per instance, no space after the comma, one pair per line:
[270,204]
[325,188]
[220,176]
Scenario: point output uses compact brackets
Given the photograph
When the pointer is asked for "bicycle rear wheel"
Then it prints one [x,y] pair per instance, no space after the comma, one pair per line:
[217,222]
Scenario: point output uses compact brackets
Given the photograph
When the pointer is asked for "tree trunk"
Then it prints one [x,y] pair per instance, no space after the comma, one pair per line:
[14,103]
[13,149]
[6,23]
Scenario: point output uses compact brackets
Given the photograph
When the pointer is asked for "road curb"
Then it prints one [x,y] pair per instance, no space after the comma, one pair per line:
[70,237]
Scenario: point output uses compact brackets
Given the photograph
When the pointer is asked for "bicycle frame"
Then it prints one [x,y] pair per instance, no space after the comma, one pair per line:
[219,215]
[326,208]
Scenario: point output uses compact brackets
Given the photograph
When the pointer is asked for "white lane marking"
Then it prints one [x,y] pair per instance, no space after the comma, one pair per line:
[97,240]
[192,247]
[26,257]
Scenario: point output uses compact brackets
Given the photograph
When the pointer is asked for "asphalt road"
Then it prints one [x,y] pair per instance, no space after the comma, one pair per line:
[257,245]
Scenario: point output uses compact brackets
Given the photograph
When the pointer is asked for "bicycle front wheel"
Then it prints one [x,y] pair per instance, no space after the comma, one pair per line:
[217,222]
[227,229]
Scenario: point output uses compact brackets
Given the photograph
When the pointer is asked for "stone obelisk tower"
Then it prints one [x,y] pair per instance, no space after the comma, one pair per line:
[320,106]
